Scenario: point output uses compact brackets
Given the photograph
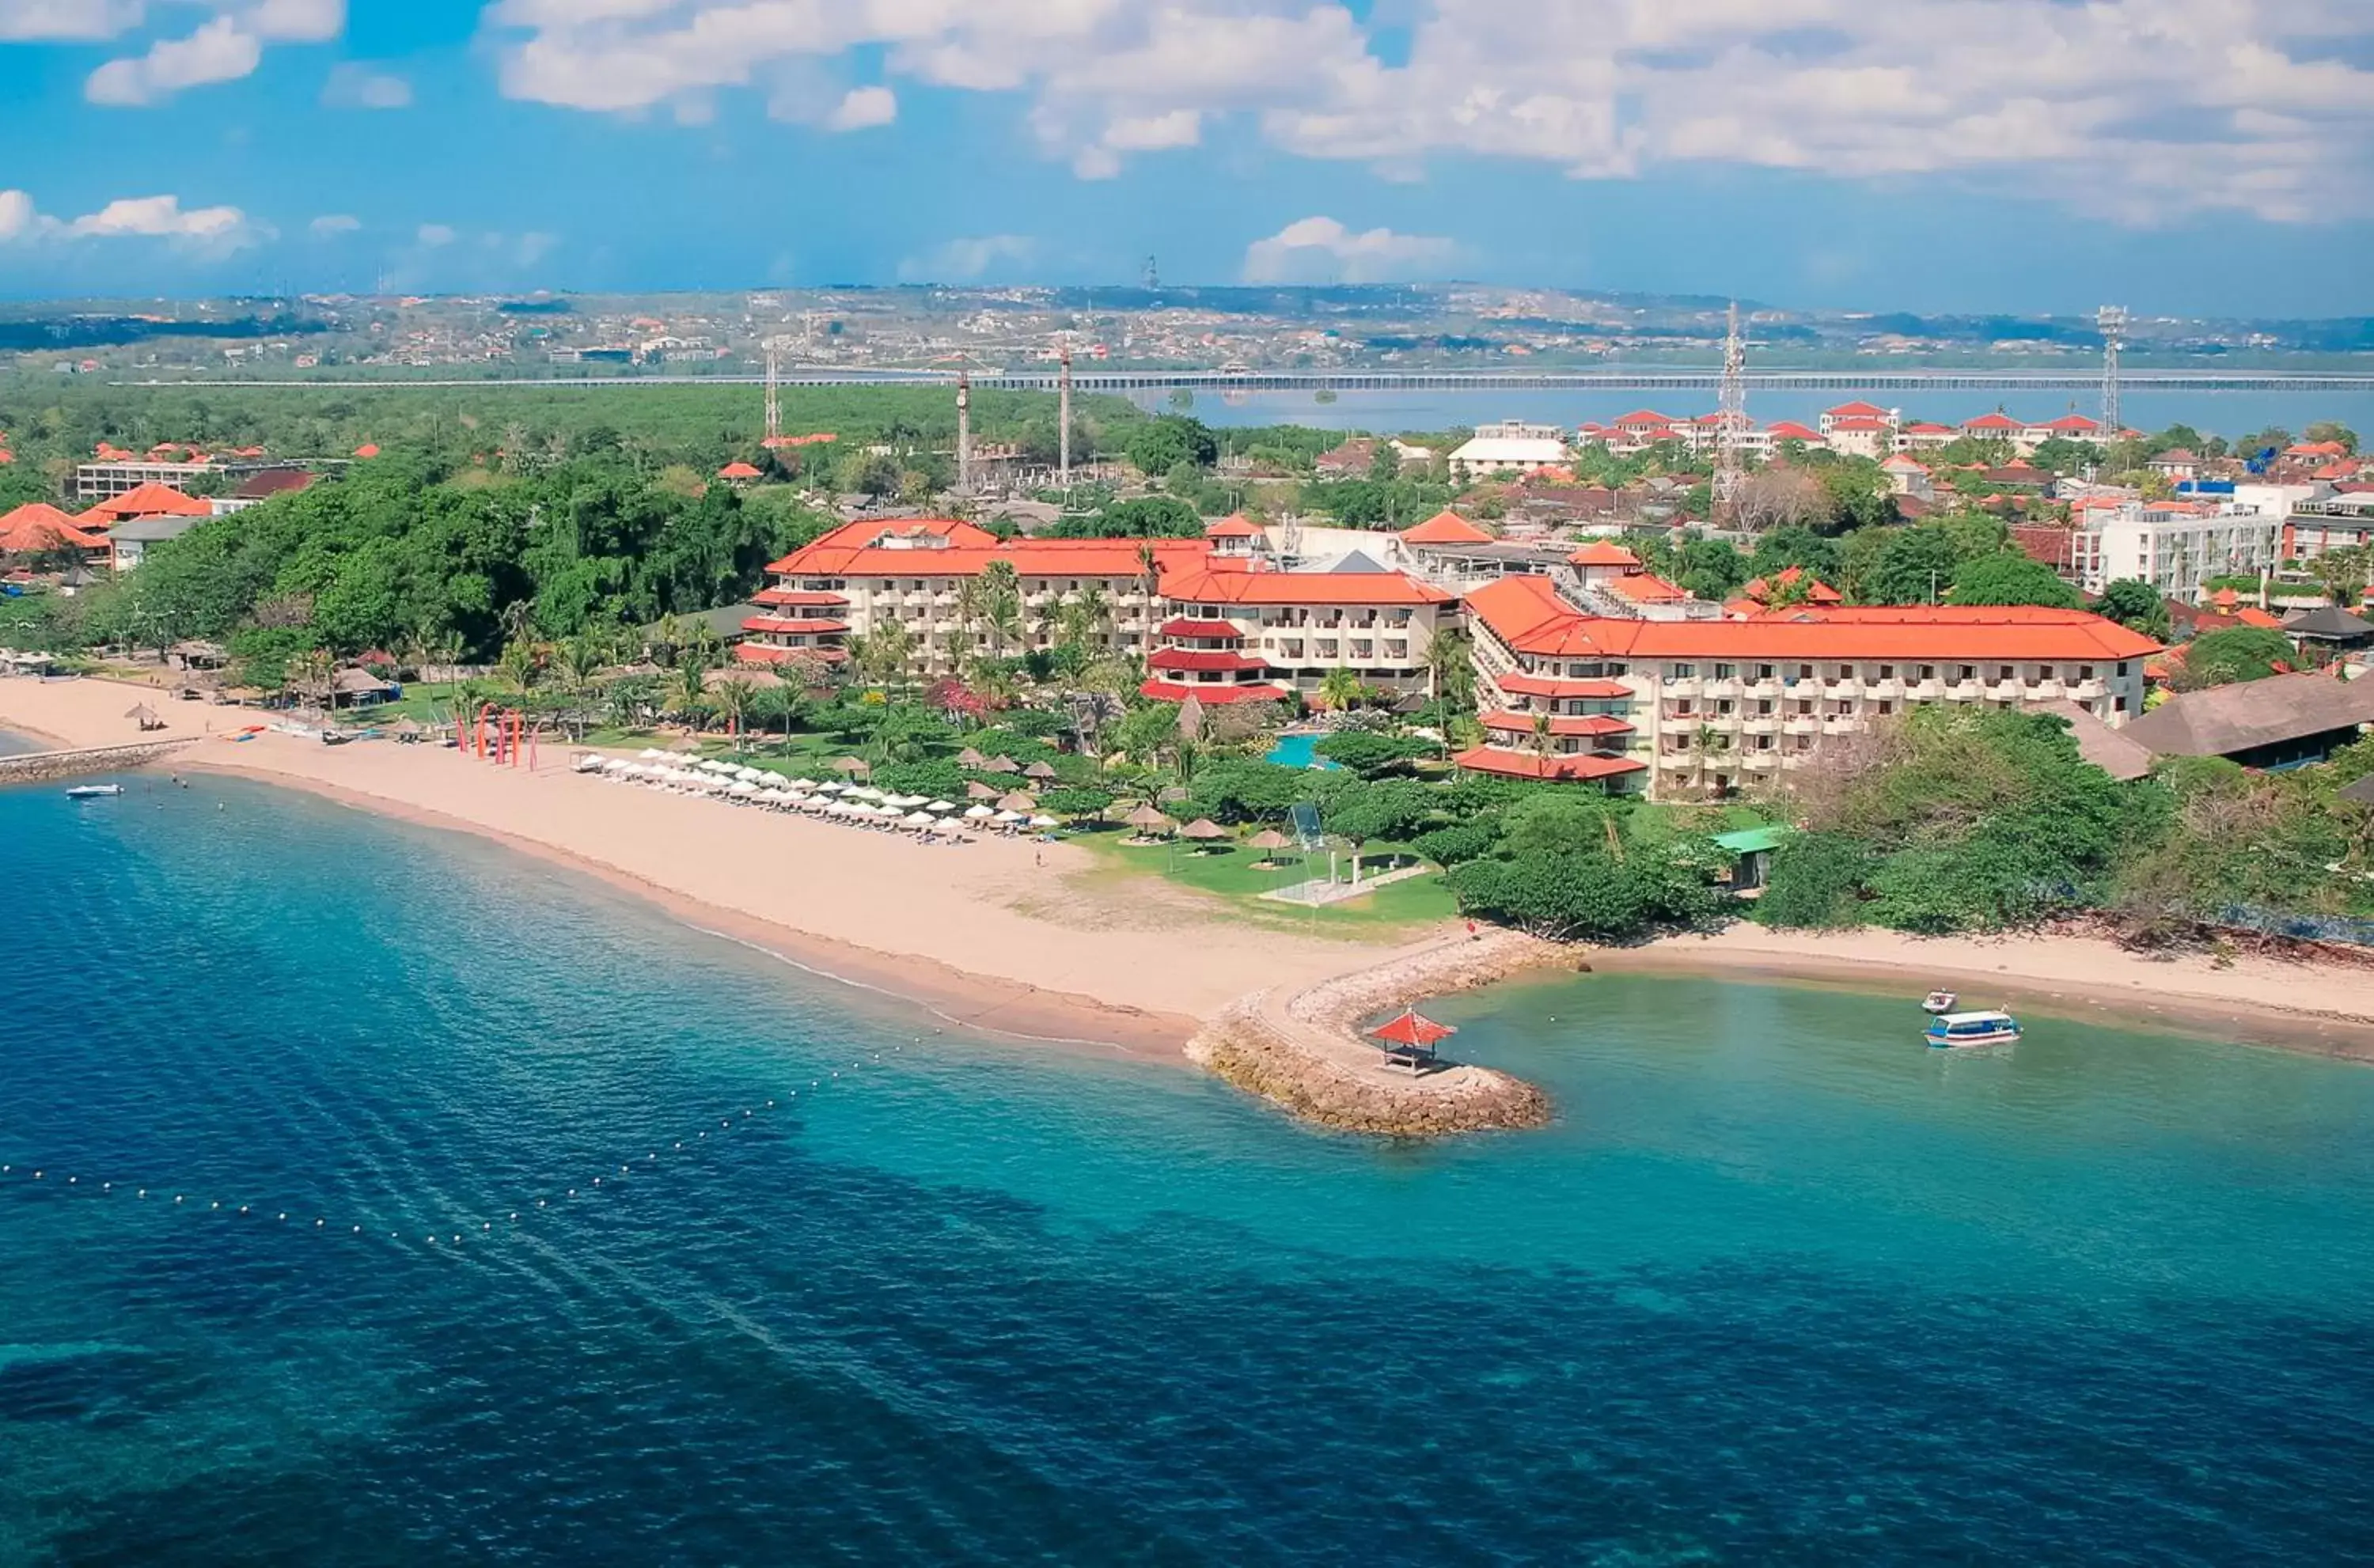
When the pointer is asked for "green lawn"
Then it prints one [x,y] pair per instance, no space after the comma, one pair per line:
[1230,874]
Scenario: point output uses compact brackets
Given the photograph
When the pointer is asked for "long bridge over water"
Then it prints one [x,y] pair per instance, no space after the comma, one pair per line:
[1237,380]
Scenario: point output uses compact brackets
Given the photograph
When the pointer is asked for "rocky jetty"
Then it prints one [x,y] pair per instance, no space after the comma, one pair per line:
[1303,1050]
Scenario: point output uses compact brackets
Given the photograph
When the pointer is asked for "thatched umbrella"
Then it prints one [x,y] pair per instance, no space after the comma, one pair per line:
[971,758]
[1039,770]
[977,791]
[1001,764]
[1267,840]
[146,716]
[1017,801]
[1204,830]
[852,764]
[1147,818]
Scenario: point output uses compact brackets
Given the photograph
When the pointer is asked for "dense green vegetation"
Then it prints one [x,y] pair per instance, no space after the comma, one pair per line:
[1964,819]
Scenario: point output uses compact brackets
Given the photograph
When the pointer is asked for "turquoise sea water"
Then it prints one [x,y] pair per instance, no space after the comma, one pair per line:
[1783,1285]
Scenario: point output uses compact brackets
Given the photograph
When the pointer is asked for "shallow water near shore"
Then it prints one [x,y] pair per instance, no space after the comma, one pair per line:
[1781,1284]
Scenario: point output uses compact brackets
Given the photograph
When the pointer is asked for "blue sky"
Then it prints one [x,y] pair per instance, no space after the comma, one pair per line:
[2181,156]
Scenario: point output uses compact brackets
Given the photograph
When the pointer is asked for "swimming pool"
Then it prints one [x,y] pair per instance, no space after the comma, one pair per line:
[1298,751]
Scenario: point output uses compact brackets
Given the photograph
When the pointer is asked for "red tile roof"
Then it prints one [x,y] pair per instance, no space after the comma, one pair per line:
[798,599]
[737,471]
[37,526]
[1820,592]
[1857,411]
[2071,425]
[782,625]
[1517,683]
[1446,528]
[1200,658]
[151,499]
[1603,552]
[1211,696]
[1997,421]
[1236,525]
[1645,588]
[1200,627]
[1526,613]
[1511,763]
[1789,430]
[368,450]
[1859,425]
[855,549]
[1560,724]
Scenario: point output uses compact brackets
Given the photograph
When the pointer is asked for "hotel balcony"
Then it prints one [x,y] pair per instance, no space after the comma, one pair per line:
[1841,726]
[2088,691]
[1682,760]
[1768,688]
[2047,690]
[1891,689]
[1925,691]
[1801,724]
[2006,691]
[1964,691]
[1723,689]
[1792,761]
[1762,762]
[1843,691]
[1688,686]
[1681,723]
[1761,724]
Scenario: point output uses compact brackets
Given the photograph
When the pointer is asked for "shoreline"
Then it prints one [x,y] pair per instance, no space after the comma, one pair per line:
[958,997]
[2258,1002]
[1031,944]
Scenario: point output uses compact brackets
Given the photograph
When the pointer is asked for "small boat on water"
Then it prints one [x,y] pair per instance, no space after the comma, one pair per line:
[1956,1029]
[93,791]
[1939,1001]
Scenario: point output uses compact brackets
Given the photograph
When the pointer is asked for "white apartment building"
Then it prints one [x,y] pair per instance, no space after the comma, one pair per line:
[1692,709]
[2172,547]
[1511,447]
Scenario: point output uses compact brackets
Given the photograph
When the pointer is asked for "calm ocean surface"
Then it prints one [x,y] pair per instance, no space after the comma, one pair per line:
[1782,1286]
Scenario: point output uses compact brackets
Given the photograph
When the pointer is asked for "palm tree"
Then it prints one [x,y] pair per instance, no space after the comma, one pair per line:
[691,682]
[519,665]
[1339,689]
[1089,618]
[2343,572]
[1542,742]
[731,697]
[1451,671]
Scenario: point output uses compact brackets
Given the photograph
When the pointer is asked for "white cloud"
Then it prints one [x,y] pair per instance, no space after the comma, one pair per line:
[863,108]
[356,85]
[432,235]
[2132,108]
[72,21]
[1320,249]
[225,48]
[330,225]
[965,260]
[205,231]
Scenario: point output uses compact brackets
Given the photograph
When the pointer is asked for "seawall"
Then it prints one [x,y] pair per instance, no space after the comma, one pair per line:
[1302,1051]
[34,768]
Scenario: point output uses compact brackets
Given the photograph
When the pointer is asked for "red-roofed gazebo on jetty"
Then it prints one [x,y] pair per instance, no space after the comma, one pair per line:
[1409,1040]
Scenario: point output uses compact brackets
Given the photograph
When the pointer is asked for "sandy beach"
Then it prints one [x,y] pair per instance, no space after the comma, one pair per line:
[984,933]
[1016,937]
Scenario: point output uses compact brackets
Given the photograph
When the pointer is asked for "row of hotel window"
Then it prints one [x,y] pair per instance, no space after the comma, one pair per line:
[1790,674]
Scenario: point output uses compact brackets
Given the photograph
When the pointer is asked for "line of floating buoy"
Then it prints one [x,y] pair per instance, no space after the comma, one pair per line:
[322,1223]
[485,1227]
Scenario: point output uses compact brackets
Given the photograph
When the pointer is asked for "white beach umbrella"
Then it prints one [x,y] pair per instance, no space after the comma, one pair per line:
[940,806]
[652,753]
[978,814]
[742,790]
[922,819]
[1011,817]
[1042,821]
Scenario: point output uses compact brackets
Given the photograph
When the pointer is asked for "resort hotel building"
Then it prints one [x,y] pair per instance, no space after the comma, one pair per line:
[1671,702]
[1220,618]
[1593,670]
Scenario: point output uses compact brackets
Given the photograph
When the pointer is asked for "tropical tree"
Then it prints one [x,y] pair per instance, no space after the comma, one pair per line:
[2235,653]
[1340,689]
[2010,578]
[881,656]
[1450,672]
[2136,605]
[731,698]
[2343,571]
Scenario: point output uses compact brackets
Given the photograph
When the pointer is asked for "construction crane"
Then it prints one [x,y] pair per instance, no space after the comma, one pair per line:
[2113,320]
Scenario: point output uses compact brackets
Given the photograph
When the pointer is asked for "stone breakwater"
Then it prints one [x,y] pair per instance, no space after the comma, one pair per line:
[1303,1051]
[35,768]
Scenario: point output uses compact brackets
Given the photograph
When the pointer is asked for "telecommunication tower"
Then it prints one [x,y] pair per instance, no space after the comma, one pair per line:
[964,433]
[775,394]
[1730,419]
[2112,319]
[1063,416]
[1153,276]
